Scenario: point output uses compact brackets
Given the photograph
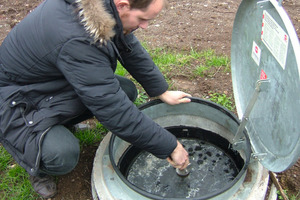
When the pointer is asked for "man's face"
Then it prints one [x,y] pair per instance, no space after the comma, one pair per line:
[136,18]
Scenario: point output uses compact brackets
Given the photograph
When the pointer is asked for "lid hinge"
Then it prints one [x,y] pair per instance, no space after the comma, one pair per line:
[258,156]
[239,145]
[260,85]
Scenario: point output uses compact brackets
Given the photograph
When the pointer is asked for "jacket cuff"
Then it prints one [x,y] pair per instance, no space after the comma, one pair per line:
[172,144]
[156,91]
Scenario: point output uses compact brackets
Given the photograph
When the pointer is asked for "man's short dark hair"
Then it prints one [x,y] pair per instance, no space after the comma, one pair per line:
[140,4]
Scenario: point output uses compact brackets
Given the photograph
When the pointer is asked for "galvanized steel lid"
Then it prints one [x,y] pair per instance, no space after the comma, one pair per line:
[265,47]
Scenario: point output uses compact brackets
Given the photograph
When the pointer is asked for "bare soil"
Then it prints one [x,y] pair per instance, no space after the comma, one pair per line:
[185,25]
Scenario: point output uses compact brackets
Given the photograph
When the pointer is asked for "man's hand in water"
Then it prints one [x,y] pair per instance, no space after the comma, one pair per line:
[179,158]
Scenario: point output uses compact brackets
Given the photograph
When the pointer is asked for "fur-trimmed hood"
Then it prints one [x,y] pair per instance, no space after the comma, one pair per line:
[98,22]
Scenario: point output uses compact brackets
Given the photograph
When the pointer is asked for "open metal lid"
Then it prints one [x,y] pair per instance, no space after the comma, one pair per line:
[265,55]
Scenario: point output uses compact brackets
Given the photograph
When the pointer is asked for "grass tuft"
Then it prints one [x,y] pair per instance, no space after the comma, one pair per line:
[222,99]
[14,183]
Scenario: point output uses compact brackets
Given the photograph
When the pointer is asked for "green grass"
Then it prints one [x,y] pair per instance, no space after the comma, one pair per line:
[5,159]
[141,98]
[167,60]
[193,63]
[14,184]
[201,70]
[121,70]
[91,136]
[212,63]
[222,99]
[290,197]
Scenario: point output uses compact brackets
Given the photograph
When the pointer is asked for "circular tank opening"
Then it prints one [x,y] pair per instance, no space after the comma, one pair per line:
[215,167]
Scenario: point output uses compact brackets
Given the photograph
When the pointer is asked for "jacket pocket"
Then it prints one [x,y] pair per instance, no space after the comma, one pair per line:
[13,125]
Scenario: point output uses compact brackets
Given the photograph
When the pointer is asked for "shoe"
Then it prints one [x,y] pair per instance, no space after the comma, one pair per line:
[44,186]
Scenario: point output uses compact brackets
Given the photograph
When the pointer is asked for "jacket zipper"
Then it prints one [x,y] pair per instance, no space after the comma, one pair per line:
[40,146]
[118,53]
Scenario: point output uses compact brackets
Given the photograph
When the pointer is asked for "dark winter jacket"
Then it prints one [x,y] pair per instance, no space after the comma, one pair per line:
[60,61]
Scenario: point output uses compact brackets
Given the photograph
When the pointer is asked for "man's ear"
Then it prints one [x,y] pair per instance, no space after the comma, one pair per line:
[122,4]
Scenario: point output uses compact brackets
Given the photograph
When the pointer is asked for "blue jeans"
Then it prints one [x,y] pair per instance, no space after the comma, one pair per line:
[60,148]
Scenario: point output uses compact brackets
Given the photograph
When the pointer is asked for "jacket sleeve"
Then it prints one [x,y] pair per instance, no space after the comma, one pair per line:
[88,69]
[141,66]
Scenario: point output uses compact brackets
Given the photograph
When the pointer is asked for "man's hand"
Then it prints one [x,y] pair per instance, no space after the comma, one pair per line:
[174,97]
[179,158]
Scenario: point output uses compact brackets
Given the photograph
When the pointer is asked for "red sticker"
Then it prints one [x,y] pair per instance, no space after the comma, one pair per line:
[263,75]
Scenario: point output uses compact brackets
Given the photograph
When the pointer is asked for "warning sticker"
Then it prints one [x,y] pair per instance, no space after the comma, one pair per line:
[275,38]
[263,75]
[256,52]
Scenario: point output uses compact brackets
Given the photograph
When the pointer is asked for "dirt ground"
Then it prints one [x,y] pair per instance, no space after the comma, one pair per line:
[185,25]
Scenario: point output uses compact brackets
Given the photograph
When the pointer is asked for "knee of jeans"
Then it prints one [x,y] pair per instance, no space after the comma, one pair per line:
[134,95]
[128,87]
[69,159]
[131,91]
[63,160]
